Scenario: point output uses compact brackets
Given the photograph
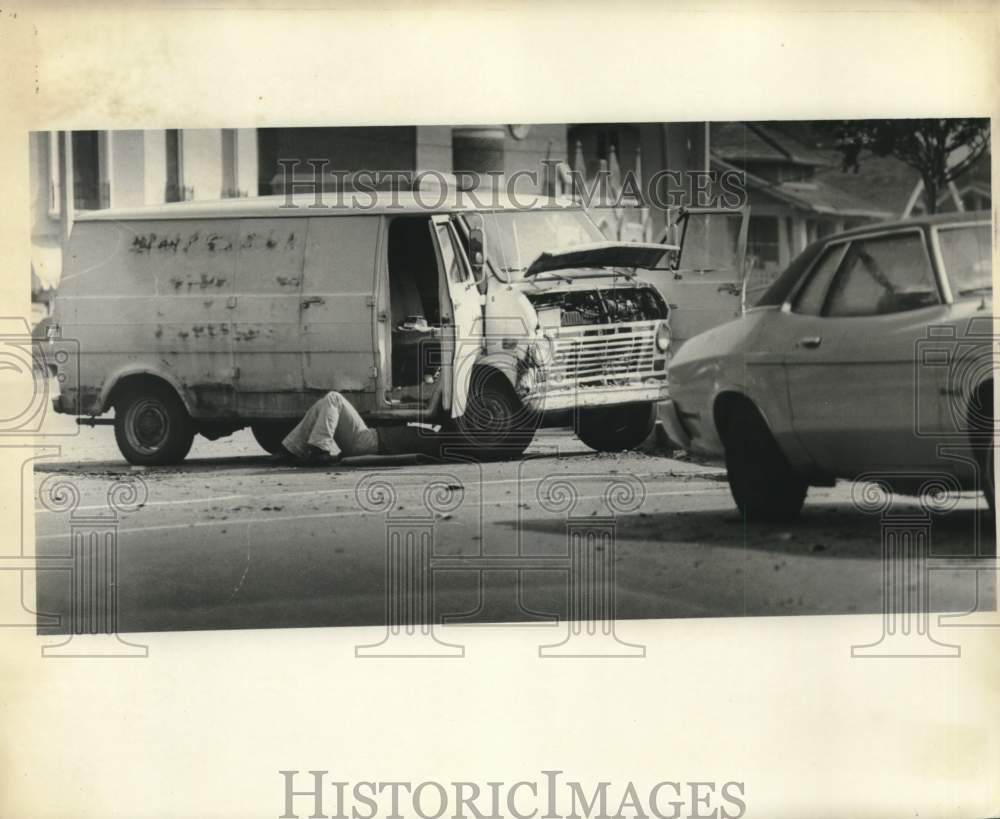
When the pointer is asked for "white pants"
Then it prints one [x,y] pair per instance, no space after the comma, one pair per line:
[332,425]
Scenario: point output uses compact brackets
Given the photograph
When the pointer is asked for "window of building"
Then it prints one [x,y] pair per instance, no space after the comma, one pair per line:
[762,239]
[974,200]
[90,191]
[175,175]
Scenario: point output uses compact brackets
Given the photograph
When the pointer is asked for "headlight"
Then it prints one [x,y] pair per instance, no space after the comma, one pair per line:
[527,381]
[541,352]
[663,337]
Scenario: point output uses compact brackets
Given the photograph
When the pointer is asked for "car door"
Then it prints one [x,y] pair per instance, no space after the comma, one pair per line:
[461,316]
[851,339]
[705,287]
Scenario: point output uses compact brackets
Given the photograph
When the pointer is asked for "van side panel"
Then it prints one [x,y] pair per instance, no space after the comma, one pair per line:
[266,333]
[338,329]
[152,296]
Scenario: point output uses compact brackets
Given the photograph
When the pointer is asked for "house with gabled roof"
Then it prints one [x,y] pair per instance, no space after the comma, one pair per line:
[792,203]
[897,187]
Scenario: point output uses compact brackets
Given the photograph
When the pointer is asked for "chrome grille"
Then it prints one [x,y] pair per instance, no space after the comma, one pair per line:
[605,355]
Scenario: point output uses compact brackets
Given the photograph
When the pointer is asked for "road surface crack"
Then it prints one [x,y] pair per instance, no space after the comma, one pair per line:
[246,571]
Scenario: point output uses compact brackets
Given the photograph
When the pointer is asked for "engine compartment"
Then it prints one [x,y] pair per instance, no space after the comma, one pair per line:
[612,305]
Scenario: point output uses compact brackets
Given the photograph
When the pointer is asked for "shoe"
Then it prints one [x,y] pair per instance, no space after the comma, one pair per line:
[282,456]
[319,457]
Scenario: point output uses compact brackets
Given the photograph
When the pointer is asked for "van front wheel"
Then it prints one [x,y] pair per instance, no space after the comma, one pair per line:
[495,424]
[152,426]
[616,429]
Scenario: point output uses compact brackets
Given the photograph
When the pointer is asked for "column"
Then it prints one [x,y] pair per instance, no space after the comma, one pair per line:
[409,548]
[127,175]
[93,570]
[201,160]
[590,549]
[906,539]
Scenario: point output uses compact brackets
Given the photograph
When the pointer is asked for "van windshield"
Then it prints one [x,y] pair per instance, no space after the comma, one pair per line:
[514,239]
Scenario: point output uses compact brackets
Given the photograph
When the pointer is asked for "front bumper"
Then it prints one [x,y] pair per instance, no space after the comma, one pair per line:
[666,414]
[552,400]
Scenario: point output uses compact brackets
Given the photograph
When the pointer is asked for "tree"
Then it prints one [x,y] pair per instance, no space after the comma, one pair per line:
[940,149]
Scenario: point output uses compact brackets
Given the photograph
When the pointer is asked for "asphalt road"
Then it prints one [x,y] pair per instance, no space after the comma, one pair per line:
[228,540]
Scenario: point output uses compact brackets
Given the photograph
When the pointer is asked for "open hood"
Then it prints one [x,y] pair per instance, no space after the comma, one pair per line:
[601,254]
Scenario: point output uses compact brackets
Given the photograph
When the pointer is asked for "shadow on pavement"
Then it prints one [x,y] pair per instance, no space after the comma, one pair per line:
[241,462]
[827,531]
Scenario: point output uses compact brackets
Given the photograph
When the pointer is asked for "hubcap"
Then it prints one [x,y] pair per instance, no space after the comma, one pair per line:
[147,425]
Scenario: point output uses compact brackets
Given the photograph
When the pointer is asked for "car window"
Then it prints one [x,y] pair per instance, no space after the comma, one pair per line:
[809,301]
[881,276]
[965,251]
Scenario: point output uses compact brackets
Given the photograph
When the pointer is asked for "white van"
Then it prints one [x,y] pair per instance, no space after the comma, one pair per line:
[209,317]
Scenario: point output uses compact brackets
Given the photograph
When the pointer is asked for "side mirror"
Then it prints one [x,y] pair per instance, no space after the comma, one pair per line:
[477,247]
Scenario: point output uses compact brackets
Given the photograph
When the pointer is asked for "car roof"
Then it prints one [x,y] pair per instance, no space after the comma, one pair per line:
[780,289]
[926,220]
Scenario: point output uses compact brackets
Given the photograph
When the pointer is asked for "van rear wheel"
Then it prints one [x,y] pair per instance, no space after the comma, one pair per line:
[152,427]
[270,434]
[615,429]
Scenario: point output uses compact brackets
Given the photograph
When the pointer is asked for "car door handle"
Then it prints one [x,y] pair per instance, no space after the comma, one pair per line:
[313,300]
[810,342]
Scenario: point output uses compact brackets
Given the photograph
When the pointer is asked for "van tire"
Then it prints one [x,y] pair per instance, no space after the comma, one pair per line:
[152,427]
[495,424]
[762,482]
[270,434]
[616,429]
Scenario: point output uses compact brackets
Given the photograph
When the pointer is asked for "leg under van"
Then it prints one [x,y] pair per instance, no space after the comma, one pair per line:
[332,425]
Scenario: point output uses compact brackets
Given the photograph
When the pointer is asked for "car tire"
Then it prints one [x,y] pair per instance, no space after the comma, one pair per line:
[152,426]
[495,424]
[762,482]
[616,429]
[270,434]
[989,482]
[984,444]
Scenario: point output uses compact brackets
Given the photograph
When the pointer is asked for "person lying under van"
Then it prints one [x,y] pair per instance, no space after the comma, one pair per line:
[333,429]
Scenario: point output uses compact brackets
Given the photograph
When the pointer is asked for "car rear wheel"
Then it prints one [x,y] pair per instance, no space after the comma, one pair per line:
[615,429]
[495,423]
[761,480]
[989,484]
[152,427]
[983,425]
[270,434]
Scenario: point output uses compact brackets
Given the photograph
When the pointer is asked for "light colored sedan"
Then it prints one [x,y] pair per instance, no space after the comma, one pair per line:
[870,357]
